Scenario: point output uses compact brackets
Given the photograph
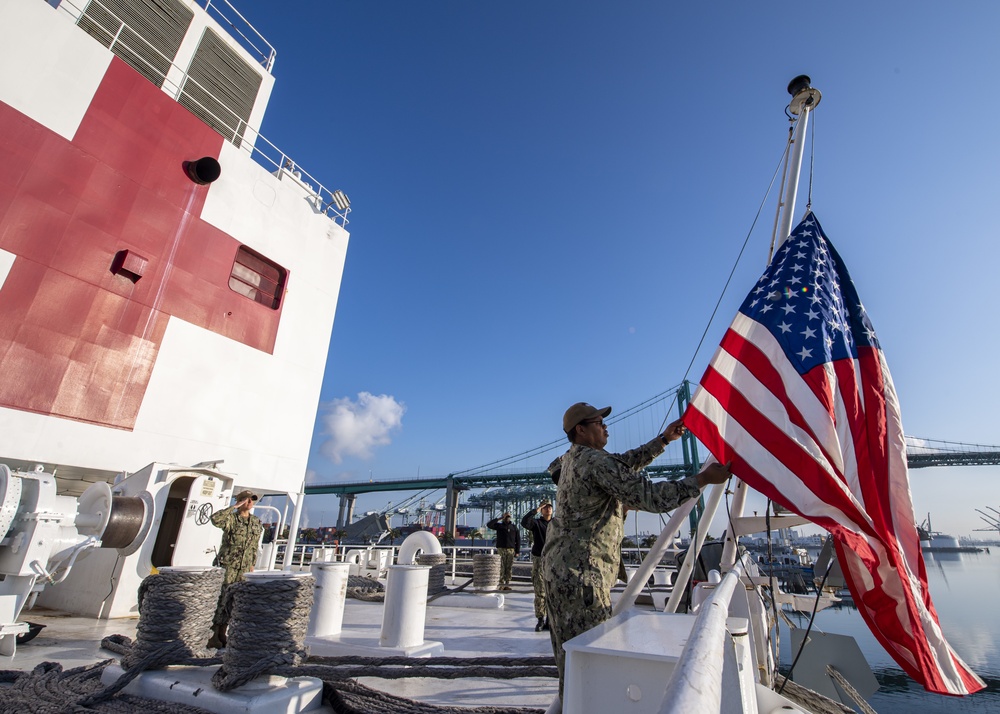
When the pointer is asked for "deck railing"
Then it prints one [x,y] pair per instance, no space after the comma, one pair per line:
[695,687]
[242,31]
[330,202]
[305,554]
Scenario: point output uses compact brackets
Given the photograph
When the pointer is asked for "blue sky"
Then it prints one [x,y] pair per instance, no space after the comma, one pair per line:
[549,197]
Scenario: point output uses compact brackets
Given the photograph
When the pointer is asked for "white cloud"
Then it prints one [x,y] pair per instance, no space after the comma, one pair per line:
[356,428]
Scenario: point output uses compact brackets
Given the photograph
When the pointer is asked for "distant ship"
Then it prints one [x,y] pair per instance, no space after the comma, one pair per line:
[932,541]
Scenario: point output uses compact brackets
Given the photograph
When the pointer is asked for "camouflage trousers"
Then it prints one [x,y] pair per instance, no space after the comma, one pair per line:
[539,585]
[506,565]
[573,608]
[230,578]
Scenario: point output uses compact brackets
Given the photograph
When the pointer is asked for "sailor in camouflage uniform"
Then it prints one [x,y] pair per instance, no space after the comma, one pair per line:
[241,531]
[538,527]
[582,548]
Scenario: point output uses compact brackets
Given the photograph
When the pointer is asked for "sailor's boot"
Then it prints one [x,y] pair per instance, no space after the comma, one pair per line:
[539,624]
[546,625]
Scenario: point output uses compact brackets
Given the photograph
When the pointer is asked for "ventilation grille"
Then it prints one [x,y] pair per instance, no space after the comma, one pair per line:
[150,38]
[221,88]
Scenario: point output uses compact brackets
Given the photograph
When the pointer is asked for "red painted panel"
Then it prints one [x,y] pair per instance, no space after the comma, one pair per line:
[76,340]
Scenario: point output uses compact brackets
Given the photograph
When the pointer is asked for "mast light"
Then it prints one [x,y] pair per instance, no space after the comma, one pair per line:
[803,94]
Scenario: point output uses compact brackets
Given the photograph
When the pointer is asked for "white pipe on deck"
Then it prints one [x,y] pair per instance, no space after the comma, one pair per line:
[418,540]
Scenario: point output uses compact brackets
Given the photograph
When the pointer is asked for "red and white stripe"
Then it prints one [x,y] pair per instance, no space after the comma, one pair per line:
[829,445]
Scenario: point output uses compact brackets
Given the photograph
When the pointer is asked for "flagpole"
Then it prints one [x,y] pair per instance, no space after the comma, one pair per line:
[804,99]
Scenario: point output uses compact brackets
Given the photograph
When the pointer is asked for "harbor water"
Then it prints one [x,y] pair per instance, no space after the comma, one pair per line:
[964,589]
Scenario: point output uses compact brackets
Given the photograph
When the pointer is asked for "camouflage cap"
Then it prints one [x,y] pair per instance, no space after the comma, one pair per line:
[581,411]
[245,494]
[545,503]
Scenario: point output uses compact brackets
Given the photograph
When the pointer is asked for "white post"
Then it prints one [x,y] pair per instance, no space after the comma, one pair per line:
[405,606]
[327,616]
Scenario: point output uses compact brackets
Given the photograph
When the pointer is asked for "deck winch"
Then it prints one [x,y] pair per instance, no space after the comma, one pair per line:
[43,534]
[158,516]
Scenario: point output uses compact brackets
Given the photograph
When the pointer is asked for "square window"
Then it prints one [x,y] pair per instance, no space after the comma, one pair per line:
[257,278]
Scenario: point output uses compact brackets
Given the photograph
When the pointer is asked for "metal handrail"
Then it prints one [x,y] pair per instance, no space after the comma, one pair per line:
[266,57]
[687,567]
[321,197]
[695,686]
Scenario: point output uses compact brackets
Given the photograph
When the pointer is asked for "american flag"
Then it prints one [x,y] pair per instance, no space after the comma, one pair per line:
[799,398]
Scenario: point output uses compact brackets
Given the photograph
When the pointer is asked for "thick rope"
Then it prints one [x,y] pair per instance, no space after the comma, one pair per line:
[175,616]
[366,589]
[48,689]
[485,571]
[853,693]
[267,629]
[347,697]
[436,576]
[810,700]
[447,591]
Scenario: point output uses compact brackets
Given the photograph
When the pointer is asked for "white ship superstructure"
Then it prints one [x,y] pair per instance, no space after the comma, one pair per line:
[168,278]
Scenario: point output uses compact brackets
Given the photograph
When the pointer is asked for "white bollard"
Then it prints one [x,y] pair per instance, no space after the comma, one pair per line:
[327,616]
[405,607]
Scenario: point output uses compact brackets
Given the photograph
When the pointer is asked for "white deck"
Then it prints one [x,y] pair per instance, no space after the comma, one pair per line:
[465,632]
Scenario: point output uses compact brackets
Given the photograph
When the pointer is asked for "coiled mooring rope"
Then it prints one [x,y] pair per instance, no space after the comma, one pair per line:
[269,620]
[267,628]
[48,689]
[364,588]
[485,571]
[435,578]
[175,615]
[56,689]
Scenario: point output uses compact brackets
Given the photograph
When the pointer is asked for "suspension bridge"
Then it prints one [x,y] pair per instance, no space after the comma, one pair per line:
[502,483]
